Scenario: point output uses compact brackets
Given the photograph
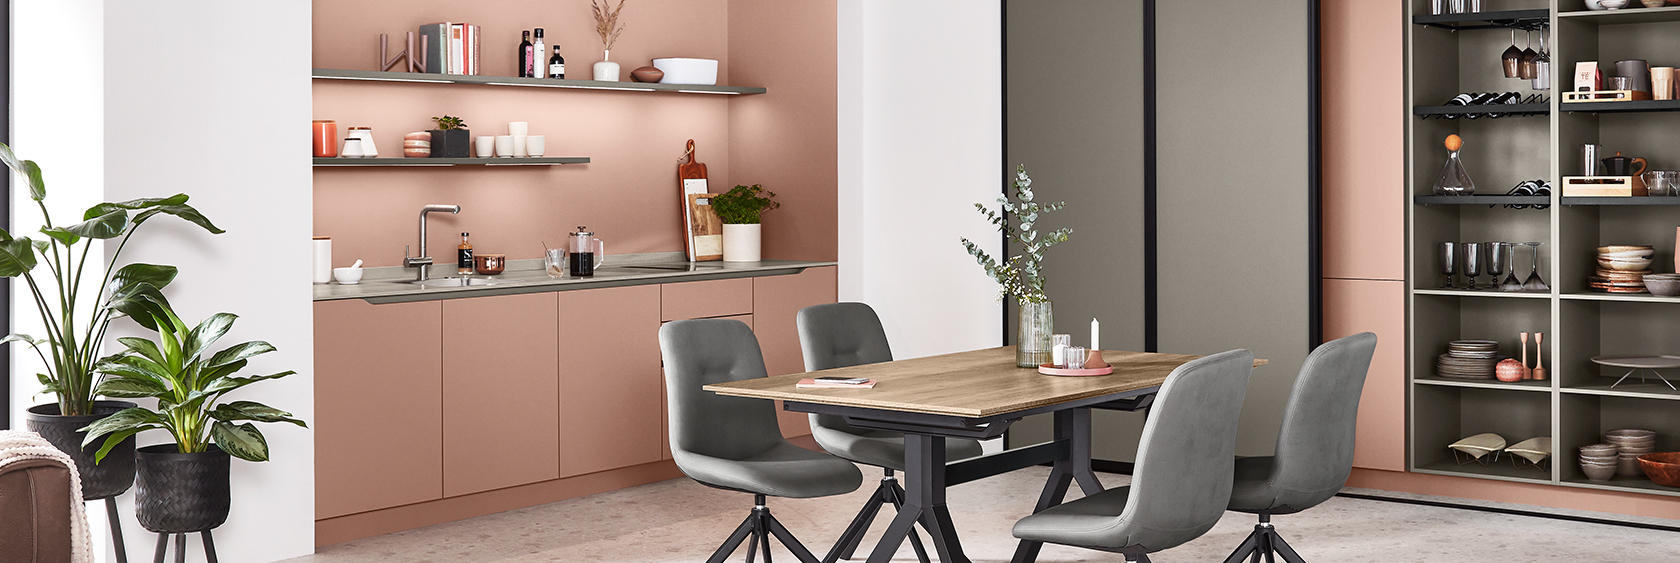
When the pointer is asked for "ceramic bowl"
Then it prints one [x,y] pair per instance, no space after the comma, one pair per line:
[1666,287]
[1599,449]
[1598,472]
[1624,248]
[348,276]
[1663,468]
[1633,265]
[647,74]
[1613,4]
[1628,465]
[1593,5]
[1629,434]
[1652,3]
[687,71]
[1627,254]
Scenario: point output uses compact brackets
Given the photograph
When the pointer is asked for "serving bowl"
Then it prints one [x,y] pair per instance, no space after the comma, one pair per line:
[1662,468]
[687,71]
[1666,286]
[1598,471]
[1631,265]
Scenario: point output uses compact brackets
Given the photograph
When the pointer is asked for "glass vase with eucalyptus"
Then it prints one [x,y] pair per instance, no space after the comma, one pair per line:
[1022,275]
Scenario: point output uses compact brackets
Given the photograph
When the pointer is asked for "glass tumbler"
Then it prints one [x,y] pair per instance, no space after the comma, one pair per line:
[554,262]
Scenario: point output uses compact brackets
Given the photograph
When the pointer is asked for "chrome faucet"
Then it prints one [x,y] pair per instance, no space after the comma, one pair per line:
[423,261]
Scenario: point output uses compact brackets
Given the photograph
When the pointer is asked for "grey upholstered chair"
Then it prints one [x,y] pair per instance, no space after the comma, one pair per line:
[734,443]
[1182,478]
[848,334]
[1314,448]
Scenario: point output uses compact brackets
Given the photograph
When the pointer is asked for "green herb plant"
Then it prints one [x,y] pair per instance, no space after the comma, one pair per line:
[1023,274]
[74,340]
[450,122]
[187,380]
[743,204]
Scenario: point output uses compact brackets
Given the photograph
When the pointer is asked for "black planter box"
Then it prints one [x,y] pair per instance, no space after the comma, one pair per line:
[180,493]
[452,143]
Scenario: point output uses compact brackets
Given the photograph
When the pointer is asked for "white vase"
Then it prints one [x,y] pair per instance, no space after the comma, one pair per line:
[741,243]
[606,71]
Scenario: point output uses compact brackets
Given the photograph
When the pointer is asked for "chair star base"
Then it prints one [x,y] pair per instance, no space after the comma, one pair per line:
[889,492]
[757,529]
[1262,545]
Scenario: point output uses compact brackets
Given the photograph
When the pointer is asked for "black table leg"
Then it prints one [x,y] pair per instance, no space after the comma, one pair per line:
[1073,425]
[924,484]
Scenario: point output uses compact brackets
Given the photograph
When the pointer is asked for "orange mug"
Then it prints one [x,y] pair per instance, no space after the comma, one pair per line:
[326,138]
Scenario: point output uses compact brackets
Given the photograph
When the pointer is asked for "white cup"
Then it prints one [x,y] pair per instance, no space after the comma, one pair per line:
[518,128]
[486,146]
[519,145]
[534,145]
[504,146]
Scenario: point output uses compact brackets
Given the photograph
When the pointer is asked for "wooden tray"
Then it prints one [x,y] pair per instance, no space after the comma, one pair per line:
[1048,369]
[1606,96]
[1603,186]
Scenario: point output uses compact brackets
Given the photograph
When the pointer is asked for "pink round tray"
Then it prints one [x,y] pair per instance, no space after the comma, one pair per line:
[1048,369]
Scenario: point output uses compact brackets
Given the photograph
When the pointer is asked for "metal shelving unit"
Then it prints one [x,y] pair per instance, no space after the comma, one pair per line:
[428,78]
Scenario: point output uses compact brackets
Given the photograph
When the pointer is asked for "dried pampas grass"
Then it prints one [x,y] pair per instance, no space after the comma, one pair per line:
[606,22]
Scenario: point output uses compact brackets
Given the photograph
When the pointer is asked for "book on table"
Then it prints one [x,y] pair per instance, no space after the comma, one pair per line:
[835,383]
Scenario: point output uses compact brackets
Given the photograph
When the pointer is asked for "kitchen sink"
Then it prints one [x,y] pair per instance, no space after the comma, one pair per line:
[457,282]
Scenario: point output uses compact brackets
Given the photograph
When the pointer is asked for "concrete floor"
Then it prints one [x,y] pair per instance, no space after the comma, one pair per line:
[682,521]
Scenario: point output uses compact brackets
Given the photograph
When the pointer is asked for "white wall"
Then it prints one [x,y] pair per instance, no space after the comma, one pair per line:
[920,115]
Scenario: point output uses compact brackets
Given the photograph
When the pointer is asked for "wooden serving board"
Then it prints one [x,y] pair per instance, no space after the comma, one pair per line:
[702,230]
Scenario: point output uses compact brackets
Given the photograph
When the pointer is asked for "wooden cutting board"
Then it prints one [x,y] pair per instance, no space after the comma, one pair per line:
[702,230]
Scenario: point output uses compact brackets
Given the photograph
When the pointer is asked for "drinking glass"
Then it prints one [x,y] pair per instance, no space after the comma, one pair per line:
[554,261]
[1509,251]
[1534,283]
[1076,356]
[1472,265]
[1497,261]
[1449,263]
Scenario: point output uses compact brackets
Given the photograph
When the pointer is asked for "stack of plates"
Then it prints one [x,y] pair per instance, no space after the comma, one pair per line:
[1622,269]
[1469,359]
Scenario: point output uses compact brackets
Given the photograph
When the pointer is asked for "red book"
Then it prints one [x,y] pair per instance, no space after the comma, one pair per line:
[809,383]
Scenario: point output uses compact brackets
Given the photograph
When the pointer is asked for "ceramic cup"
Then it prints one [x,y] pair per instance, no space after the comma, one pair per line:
[1662,82]
[519,145]
[504,146]
[486,146]
[518,128]
[534,145]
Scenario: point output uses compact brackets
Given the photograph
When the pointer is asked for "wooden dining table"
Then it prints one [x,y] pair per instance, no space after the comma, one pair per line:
[977,395]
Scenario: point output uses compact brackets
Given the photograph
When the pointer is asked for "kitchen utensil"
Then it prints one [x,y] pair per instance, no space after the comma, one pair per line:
[1526,66]
[1472,265]
[489,264]
[535,145]
[323,260]
[347,276]
[326,138]
[1623,166]
[1539,351]
[504,146]
[585,253]
[1637,70]
[486,145]
[1589,159]
[1449,262]
[554,262]
[1511,59]
[1535,450]
[1534,283]
[1454,180]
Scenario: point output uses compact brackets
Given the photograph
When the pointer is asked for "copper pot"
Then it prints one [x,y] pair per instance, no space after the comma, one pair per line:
[489,264]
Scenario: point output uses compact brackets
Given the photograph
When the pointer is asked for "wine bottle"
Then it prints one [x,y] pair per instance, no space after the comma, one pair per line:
[536,55]
[557,64]
[525,57]
[464,257]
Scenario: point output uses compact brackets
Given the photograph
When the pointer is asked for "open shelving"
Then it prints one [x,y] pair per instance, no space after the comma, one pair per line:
[480,80]
[1577,403]
[491,161]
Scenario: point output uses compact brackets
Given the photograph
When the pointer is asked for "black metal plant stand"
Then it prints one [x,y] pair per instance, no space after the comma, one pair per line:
[116,528]
[181,547]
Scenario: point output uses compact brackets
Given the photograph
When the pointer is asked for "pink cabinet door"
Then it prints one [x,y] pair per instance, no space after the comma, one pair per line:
[378,405]
[706,299]
[776,304]
[501,408]
[611,392]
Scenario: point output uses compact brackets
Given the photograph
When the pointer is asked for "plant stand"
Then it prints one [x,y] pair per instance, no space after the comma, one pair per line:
[181,547]
[116,529]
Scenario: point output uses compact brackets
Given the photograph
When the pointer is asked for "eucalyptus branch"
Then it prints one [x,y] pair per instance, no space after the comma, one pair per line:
[1020,275]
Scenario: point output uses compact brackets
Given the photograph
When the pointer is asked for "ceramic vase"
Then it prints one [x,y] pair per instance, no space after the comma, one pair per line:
[606,70]
[1032,336]
[742,243]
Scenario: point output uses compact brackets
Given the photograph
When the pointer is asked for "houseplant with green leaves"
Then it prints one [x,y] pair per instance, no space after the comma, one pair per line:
[741,211]
[183,486]
[451,138]
[57,271]
[1022,274]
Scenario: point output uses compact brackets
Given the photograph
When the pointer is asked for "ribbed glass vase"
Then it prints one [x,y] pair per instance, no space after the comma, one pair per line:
[1032,337]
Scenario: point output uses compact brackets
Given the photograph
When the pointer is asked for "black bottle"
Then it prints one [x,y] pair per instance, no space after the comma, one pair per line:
[557,64]
[527,62]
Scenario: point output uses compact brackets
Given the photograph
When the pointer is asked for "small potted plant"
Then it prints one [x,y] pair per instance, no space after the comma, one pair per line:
[183,486]
[76,336]
[739,209]
[451,139]
[1022,275]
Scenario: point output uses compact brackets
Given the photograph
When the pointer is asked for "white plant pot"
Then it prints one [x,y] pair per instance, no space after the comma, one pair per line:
[741,243]
[606,71]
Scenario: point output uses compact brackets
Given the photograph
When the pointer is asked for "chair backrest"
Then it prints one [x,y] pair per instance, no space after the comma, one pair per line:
[1182,479]
[1315,445]
[837,335]
[35,519]
[702,352]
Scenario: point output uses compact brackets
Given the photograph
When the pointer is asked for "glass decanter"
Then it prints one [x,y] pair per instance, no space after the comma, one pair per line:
[1454,180]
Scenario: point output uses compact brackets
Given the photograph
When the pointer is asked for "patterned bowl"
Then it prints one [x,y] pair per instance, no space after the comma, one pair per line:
[1663,468]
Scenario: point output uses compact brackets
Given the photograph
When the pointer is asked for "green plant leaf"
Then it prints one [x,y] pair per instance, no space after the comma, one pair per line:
[139,301]
[131,388]
[37,187]
[157,275]
[145,348]
[122,420]
[24,338]
[243,441]
[225,384]
[59,234]
[239,352]
[207,333]
[108,207]
[248,410]
[106,226]
[17,257]
[183,211]
[115,438]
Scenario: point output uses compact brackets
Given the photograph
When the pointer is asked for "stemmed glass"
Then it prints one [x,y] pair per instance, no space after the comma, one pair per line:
[1526,63]
[1511,59]
[1498,260]
[1534,282]
[1449,262]
[1472,265]
[1509,251]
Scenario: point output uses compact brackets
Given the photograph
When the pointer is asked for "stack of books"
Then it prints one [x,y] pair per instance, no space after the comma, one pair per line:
[451,48]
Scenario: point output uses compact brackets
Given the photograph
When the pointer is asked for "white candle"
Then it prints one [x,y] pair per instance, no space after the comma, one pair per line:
[1094,326]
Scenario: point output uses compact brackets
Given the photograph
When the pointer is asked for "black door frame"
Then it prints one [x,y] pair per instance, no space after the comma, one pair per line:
[6,206]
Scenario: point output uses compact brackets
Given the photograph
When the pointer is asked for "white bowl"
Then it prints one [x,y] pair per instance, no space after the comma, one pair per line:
[687,71]
[347,276]
[1613,4]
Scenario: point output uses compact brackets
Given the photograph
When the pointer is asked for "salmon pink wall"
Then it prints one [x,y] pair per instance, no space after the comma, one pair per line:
[627,194]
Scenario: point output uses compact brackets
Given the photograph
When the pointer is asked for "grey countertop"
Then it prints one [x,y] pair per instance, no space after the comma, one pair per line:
[389,284]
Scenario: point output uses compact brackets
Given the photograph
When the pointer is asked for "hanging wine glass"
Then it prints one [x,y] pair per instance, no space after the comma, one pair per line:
[1542,65]
[1512,58]
[1527,62]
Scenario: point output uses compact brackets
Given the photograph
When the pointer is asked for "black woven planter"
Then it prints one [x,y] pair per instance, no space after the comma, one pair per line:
[180,493]
[108,478]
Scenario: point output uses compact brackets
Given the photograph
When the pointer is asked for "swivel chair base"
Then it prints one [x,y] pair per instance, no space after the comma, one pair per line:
[1262,544]
[760,525]
[889,492]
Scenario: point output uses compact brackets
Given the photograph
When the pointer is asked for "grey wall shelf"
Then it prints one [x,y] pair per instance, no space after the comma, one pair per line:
[1622,297]
[1507,110]
[1485,20]
[1634,13]
[1482,200]
[428,78]
[1636,106]
[1529,385]
[1631,388]
[1636,200]
[1485,293]
[528,161]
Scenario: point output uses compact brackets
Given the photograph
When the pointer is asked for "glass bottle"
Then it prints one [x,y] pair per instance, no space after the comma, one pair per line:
[464,257]
[1454,180]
